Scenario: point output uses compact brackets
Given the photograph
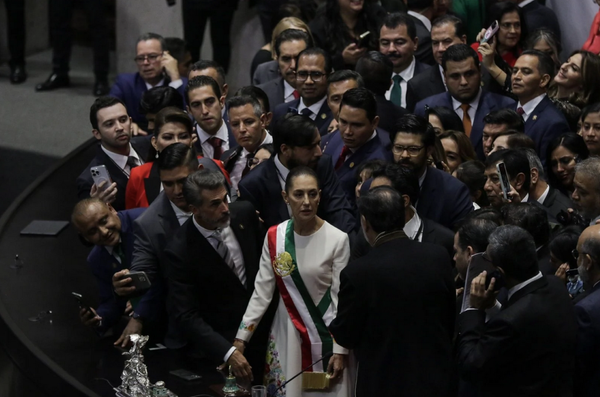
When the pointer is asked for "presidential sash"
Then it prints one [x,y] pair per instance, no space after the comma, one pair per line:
[310,320]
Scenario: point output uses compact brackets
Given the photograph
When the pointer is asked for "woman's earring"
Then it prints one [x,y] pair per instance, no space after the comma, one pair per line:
[156,154]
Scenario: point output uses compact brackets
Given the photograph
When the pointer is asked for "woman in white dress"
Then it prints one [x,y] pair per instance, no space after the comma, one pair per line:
[303,257]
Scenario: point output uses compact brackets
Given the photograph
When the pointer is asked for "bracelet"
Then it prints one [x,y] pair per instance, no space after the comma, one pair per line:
[499,73]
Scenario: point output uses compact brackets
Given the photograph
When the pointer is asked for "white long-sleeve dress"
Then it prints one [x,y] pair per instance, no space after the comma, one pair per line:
[320,259]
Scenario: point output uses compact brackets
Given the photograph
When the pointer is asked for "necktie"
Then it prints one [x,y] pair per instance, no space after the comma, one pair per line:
[520,111]
[216,143]
[396,94]
[224,252]
[296,94]
[246,167]
[342,158]
[466,118]
[118,249]
[132,162]
[306,112]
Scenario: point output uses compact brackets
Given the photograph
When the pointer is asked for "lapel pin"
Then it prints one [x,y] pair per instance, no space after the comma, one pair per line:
[535,117]
[323,116]
[351,164]
[241,226]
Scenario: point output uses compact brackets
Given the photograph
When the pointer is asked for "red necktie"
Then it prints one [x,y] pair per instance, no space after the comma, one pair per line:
[343,155]
[216,143]
[296,94]
[520,111]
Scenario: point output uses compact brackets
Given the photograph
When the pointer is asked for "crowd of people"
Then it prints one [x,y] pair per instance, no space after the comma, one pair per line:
[400,204]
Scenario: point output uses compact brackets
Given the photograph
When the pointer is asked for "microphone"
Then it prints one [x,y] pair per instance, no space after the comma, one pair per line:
[327,355]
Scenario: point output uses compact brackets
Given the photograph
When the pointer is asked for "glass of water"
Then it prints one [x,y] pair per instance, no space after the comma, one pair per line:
[259,391]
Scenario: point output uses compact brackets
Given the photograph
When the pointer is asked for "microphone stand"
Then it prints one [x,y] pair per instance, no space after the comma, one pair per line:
[299,373]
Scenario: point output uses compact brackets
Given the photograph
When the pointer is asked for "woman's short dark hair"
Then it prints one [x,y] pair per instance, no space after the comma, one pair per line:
[448,118]
[564,242]
[299,171]
[172,115]
[158,98]
[572,142]
[472,174]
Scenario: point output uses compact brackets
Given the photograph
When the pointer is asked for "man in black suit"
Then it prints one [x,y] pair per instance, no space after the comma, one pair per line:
[396,315]
[338,83]
[376,70]
[118,152]
[248,123]
[152,231]
[296,141]
[527,348]
[531,75]
[398,40]
[211,263]
[538,16]
[314,65]
[443,198]
[288,45]
[421,12]
[445,31]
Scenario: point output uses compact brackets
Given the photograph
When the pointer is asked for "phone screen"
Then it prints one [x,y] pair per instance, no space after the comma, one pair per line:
[504,183]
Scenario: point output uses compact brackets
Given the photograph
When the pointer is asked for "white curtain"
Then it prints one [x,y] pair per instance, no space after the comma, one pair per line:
[575,18]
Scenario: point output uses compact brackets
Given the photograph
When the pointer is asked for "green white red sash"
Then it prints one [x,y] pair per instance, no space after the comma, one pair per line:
[310,320]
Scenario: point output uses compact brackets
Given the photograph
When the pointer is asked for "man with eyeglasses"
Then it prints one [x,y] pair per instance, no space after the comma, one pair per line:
[248,124]
[313,67]
[443,198]
[156,67]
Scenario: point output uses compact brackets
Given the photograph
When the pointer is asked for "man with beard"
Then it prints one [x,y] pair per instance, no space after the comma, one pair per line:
[398,40]
[296,140]
[443,198]
[587,310]
[462,72]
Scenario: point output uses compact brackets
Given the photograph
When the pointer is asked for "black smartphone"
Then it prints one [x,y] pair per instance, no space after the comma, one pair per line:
[139,280]
[498,276]
[504,182]
[185,374]
[81,301]
[363,40]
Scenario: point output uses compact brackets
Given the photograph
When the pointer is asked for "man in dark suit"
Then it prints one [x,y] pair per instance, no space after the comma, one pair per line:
[421,12]
[338,83]
[282,88]
[532,73]
[398,41]
[313,67]
[445,31]
[212,262]
[152,231]
[538,16]
[266,72]
[443,198]
[212,69]
[506,355]
[519,177]
[376,70]
[112,236]
[296,141]
[370,319]
[587,311]
[248,123]
[465,96]
[156,67]
[205,103]
[117,151]
[357,140]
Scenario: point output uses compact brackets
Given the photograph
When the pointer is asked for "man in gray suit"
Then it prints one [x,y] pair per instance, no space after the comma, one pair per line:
[152,232]
[272,76]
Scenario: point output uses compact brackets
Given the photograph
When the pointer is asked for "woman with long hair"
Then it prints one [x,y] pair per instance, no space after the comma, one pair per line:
[563,153]
[458,149]
[578,79]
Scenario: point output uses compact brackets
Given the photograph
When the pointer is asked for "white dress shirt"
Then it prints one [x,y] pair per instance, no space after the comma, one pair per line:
[413,228]
[121,160]
[530,106]
[421,18]
[175,84]
[472,107]
[182,216]
[443,77]
[406,75]
[207,149]
[524,3]
[544,195]
[236,173]
[315,108]
[288,92]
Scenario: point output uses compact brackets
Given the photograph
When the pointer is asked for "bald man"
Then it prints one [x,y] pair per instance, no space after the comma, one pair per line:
[587,310]
[111,232]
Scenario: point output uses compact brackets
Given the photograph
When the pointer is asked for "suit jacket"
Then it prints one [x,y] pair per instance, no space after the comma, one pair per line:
[443,198]
[587,311]
[104,265]
[424,53]
[488,102]
[544,124]
[206,297]
[263,189]
[538,16]
[392,339]
[129,87]
[275,91]
[388,113]
[85,181]
[424,85]
[524,350]
[554,203]
[376,148]
[322,121]
[266,72]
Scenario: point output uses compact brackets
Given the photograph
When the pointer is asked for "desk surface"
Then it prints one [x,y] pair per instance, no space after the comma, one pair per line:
[58,352]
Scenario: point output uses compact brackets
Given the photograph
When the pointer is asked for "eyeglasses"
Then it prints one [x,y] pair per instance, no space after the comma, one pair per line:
[563,161]
[575,254]
[411,150]
[150,57]
[315,76]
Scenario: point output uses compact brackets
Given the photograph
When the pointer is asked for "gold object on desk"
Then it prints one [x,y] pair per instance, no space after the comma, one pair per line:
[315,381]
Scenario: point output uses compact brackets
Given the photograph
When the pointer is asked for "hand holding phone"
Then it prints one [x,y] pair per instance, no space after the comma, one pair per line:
[490,32]
[363,40]
[504,181]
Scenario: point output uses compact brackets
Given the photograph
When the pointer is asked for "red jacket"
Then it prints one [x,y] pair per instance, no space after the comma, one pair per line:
[593,42]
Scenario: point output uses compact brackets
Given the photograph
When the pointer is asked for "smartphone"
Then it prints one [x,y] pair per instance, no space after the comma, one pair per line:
[80,300]
[504,183]
[99,175]
[185,374]
[490,32]
[139,280]
[363,40]
[498,276]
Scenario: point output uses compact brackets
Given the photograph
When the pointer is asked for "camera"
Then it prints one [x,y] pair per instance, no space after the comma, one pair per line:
[567,218]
